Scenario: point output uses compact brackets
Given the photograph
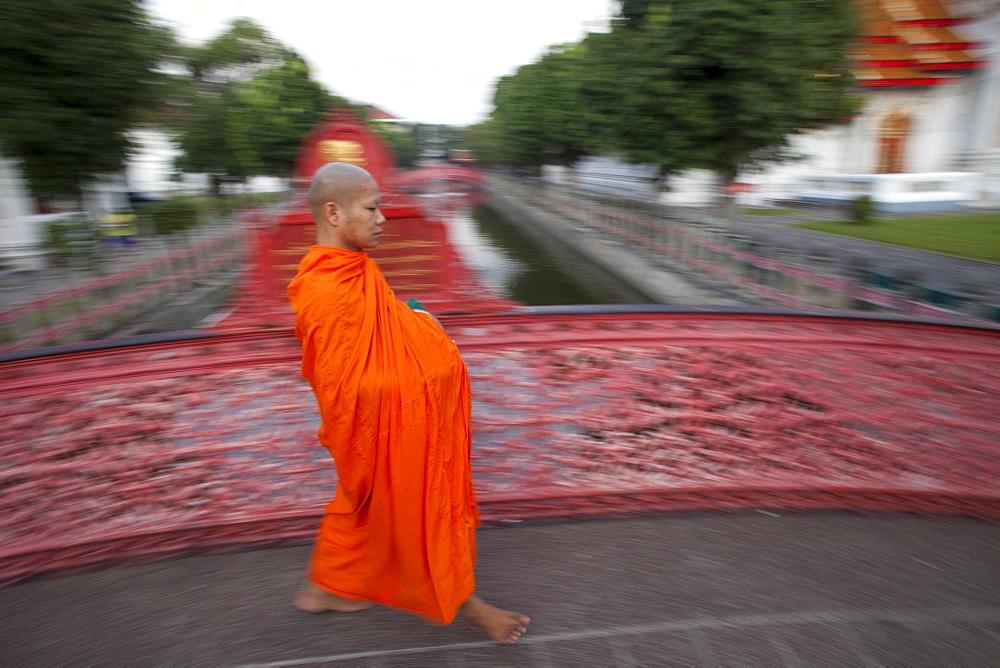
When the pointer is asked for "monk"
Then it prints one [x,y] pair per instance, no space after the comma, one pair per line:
[395,403]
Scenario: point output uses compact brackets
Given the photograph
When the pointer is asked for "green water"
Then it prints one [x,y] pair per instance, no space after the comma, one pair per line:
[527,269]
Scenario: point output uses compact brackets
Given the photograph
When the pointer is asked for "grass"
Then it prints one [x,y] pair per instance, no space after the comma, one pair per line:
[971,236]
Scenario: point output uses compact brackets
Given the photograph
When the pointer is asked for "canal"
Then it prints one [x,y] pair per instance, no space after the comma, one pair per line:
[525,267]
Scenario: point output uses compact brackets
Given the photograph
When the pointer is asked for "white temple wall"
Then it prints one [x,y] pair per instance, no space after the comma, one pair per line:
[149,171]
[937,131]
[15,201]
[21,229]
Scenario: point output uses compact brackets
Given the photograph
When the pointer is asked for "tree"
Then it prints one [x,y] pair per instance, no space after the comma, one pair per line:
[212,126]
[249,104]
[402,140]
[77,76]
[235,55]
[215,138]
[539,115]
[644,113]
[720,84]
[282,104]
[483,141]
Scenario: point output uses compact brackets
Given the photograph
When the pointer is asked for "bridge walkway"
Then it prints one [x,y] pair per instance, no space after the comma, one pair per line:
[691,589]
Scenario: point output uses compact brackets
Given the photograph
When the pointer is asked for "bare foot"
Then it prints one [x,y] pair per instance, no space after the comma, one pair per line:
[502,626]
[312,598]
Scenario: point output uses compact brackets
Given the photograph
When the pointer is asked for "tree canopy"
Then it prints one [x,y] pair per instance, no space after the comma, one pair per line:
[713,84]
[403,141]
[282,105]
[77,76]
[540,117]
[250,102]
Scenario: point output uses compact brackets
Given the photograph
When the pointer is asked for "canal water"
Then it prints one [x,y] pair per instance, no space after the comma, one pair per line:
[523,267]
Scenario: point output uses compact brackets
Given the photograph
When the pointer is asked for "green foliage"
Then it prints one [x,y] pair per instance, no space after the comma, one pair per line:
[712,84]
[215,138]
[171,215]
[213,129]
[235,55]
[72,240]
[720,84]
[451,137]
[482,139]
[540,117]
[862,209]
[975,236]
[216,208]
[645,112]
[76,76]
[402,140]
[282,105]
[248,105]
[181,213]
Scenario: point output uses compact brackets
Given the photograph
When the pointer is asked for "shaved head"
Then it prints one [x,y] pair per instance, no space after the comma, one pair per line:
[338,182]
[345,206]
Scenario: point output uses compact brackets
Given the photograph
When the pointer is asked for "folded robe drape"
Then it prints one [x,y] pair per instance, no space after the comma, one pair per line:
[395,403]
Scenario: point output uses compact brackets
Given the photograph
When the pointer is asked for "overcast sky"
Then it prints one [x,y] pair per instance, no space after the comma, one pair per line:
[434,61]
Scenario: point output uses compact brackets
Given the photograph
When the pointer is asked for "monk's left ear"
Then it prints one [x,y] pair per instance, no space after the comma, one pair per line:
[332,213]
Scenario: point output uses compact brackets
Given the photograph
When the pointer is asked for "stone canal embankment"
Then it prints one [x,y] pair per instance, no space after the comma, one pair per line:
[691,258]
[634,272]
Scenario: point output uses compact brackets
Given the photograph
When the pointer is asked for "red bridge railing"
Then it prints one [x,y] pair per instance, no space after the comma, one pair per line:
[158,446]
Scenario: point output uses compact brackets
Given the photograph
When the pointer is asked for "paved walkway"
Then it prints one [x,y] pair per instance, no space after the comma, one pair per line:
[756,588]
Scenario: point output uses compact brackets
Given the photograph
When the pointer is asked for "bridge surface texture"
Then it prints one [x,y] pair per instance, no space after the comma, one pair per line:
[149,450]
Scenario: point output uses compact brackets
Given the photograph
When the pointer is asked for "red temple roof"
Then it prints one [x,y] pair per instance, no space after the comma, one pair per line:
[376,114]
[910,44]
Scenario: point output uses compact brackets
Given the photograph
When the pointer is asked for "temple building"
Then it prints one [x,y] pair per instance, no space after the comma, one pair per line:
[927,137]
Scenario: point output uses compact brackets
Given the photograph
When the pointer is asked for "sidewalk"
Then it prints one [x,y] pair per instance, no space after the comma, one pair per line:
[756,588]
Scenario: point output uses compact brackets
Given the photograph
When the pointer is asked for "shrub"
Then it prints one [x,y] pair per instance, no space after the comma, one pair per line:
[862,209]
[171,215]
[71,240]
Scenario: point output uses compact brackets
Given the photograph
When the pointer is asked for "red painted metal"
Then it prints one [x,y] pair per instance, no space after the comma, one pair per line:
[343,138]
[949,46]
[886,63]
[930,23]
[136,452]
[923,81]
[414,252]
[147,451]
[954,66]
[425,175]
[214,251]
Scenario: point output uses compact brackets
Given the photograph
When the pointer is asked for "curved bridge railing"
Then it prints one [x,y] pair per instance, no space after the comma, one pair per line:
[172,444]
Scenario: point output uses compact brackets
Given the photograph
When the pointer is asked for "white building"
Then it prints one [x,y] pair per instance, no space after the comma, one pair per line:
[927,138]
[150,173]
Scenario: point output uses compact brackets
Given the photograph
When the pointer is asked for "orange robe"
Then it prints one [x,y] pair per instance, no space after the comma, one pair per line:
[394,397]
